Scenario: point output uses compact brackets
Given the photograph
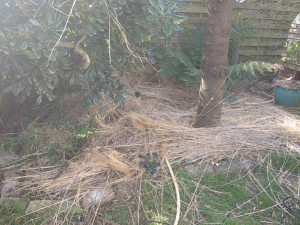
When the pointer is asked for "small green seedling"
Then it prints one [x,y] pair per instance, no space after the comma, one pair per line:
[149,162]
[87,131]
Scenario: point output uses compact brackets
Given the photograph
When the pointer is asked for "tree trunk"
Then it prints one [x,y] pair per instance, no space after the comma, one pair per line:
[215,63]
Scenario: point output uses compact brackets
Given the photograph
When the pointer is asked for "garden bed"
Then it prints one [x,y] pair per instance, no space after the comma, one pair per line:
[157,121]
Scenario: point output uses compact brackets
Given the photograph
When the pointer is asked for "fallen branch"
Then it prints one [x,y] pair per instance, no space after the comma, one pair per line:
[78,50]
[176,190]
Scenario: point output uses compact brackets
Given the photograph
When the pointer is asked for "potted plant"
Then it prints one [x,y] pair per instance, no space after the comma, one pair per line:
[293,57]
[287,92]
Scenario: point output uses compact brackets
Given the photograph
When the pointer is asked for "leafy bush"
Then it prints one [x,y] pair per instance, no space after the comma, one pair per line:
[48,45]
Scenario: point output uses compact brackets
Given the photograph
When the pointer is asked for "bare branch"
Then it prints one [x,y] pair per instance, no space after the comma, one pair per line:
[62,34]
[39,9]
[78,50]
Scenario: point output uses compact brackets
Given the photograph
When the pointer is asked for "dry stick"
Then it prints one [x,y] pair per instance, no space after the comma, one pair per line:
[109,39]
[109,35]
[176,190]
[62,33]
[63,3]
[259,103]
[258,211]
[56,9]
[122,30]
[39,9]
[123,34]
[298,192]
[139,202]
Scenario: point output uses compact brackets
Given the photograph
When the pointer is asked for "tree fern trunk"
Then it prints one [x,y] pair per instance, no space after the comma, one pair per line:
[215,63]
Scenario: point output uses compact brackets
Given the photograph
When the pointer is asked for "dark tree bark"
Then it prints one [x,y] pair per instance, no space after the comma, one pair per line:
[215,63]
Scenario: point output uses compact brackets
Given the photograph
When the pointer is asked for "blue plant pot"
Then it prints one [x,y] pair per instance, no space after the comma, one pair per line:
[286,97]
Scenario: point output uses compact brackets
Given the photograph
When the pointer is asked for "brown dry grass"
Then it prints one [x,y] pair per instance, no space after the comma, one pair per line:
[160,121]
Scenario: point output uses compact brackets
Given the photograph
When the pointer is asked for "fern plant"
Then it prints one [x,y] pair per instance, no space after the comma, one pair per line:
[184,62]
[176,61]
[249,70]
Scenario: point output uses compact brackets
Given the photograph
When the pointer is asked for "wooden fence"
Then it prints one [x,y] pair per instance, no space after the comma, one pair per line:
[271,20]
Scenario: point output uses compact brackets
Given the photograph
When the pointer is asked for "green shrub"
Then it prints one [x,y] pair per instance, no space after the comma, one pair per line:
[49,45]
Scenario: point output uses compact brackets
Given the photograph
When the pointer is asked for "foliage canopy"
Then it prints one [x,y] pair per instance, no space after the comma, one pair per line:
[46,45]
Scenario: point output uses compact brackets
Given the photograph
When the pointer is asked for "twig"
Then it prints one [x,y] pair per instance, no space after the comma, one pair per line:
[37,11]
[98,5]
[65,27]
[139,202]
[298,185]
[56,9]
[176,190]
[109,34]
[78,49]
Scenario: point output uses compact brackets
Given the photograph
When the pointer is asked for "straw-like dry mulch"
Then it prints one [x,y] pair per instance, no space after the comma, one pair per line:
[160,121]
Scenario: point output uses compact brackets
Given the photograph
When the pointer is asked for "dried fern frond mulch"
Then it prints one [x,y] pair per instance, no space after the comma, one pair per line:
[160,121]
